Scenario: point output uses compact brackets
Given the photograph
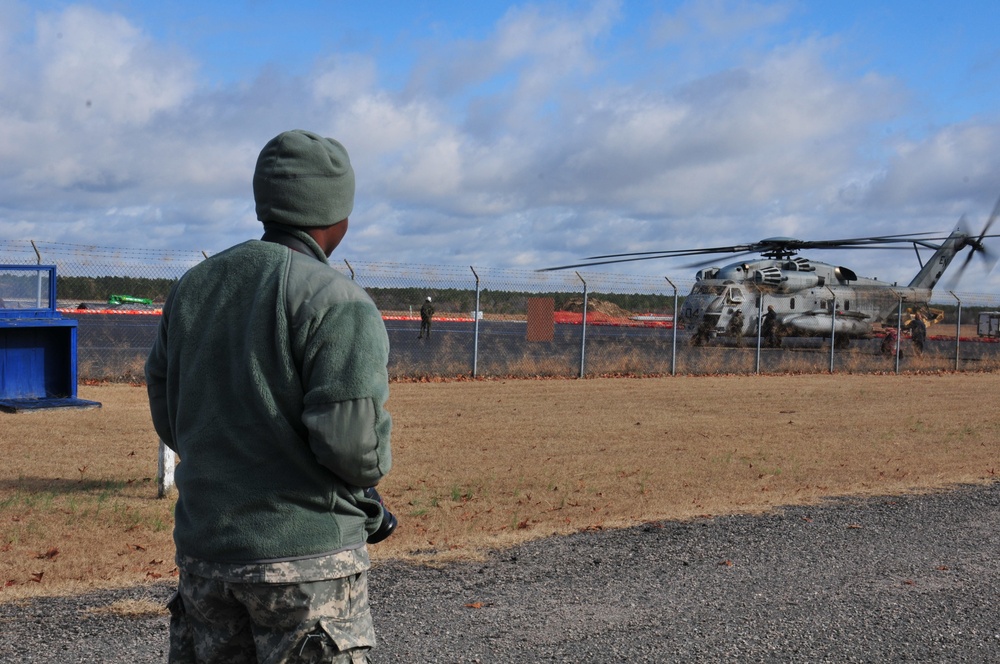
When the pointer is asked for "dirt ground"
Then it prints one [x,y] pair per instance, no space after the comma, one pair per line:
[480,465]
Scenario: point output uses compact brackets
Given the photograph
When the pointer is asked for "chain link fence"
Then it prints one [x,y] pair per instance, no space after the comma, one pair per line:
[491,322]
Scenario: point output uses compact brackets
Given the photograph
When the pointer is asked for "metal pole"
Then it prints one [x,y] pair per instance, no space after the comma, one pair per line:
[958,329]
[899,332]
[673,347]
[760,322]
[475,328]
[583,334]
[349,268]
[38,276]
[833,325]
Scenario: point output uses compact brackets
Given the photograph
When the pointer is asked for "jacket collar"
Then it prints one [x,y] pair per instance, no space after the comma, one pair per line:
[293,238]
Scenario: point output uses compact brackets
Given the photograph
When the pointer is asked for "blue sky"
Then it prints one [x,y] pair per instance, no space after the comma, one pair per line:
[505,134]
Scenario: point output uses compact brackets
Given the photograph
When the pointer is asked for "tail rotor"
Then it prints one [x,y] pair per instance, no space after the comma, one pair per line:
[977,246]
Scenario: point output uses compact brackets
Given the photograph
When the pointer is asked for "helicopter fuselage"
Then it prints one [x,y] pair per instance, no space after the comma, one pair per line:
[809,298]
[804,297]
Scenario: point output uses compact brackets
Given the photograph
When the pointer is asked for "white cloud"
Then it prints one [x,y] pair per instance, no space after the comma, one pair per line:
[956,163]
[342,78]
[558,134]
[98,68]
[719,20]
[89,81]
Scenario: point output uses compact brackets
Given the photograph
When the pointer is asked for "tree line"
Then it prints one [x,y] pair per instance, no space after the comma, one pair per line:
[506,302]
[455,300]
[99,289]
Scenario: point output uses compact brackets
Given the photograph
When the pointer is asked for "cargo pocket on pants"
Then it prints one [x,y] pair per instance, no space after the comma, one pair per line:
[349,635]
[332,641]
[181,638]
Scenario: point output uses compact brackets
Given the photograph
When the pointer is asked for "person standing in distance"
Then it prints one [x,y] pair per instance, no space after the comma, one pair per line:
[426,314]
[770,329]
[268,378]
[918,332]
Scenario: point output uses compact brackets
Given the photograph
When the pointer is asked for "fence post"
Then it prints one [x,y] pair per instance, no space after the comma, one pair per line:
[673,347]
[38,296]
[349,268]
[164,471]
[583,331]
[833,325]
[475,328]
[958,328]
[760,324]
[899,332]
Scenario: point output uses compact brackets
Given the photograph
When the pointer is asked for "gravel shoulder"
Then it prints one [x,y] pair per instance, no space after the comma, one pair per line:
[909,578]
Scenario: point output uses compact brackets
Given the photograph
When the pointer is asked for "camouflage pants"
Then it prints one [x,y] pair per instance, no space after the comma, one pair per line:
[219,621]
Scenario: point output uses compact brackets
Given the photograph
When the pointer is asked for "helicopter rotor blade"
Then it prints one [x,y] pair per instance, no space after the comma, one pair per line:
[989,256]
[784,247]
[976,246]
[677,252]
[989,222]
[594,263]
[705,263]
[775,243]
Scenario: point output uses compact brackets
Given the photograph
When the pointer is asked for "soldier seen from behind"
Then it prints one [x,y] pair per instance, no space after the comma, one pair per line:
[268,378]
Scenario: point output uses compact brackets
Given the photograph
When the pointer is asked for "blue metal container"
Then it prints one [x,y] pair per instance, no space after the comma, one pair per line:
[38,365]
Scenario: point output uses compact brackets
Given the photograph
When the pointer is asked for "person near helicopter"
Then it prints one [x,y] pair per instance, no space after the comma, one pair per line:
[735,327]
[703,333]
[889,341]
[918,332]
[769,328]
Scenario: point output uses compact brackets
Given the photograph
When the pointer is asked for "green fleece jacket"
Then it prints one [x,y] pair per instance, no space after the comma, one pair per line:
[268,378]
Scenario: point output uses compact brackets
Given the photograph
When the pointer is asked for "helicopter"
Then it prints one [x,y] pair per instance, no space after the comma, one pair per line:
[809,298]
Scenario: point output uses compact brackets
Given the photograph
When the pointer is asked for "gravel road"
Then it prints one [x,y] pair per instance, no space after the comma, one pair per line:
[912,578]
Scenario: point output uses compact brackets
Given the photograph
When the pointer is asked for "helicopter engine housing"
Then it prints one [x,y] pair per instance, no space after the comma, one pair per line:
[786,282]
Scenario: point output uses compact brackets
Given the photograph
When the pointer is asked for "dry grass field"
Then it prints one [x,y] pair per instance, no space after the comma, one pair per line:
[486,464]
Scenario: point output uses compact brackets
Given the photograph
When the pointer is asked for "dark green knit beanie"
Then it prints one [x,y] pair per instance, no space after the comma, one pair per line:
[303,179]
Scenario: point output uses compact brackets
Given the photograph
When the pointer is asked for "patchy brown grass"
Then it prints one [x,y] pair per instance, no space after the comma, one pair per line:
[486,464]
[130,608]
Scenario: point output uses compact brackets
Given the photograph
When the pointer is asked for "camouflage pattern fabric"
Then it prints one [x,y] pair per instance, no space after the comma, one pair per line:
[332,566]
[215,620]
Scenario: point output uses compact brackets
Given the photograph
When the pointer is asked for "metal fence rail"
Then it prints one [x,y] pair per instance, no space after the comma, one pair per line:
[492,322]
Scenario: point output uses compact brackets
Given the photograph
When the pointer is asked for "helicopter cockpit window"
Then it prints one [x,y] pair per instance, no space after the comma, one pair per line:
[734,296]
[707,289]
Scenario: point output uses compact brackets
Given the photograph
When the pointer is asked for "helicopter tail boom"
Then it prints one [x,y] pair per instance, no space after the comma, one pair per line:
[934,268]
